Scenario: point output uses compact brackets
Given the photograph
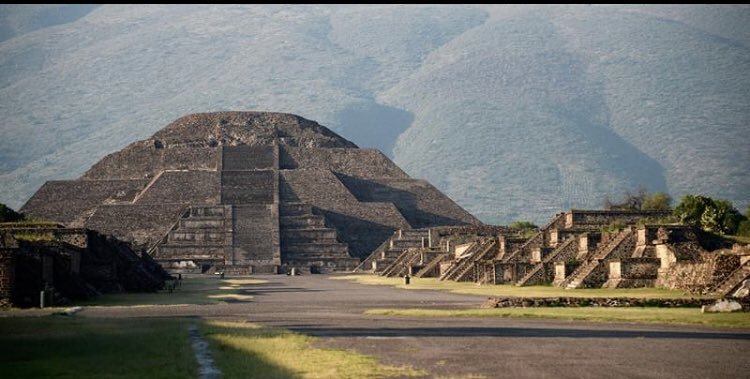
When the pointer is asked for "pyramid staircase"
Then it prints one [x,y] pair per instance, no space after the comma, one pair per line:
[621,246]
[306,242]
[196,241]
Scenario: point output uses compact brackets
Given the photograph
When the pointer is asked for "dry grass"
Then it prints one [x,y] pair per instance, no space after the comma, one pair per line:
[679,316]
[245,350]
[193,290]
[513,291]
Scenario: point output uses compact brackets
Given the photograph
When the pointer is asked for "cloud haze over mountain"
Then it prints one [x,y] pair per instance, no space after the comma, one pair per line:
[515,112]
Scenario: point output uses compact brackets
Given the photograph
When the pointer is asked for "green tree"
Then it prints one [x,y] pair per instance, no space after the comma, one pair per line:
[523,225]
[657,201]
[642,200]
[712,215]
[691,208]
[744,228]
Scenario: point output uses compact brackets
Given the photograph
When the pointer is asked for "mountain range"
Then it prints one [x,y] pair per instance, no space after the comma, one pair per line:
[516,112]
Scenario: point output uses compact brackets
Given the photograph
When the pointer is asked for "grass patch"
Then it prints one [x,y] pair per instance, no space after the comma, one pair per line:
[75,347]
[34,237]
[239,282]
[678,316]
[245,350]
[231,296]
[740,239]
[504,290]
[193,290]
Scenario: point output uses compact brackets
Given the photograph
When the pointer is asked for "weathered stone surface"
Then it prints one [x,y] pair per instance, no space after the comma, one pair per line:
[69,264]
[501,302]
[722,306]
[744,290]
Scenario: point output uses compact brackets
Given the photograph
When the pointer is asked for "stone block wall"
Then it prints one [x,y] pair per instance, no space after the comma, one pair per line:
[7,276]
[68,272]
[605,217]
[361,234]
[144,225]
[317,187]
[242,158]
[363,226]
[522,253]
[146,159]
[698,276]
[256,234]
[508,244]
[587,244]
[563,270]
[184,187]
[73,236]
[632,273]
[506,273]
[249,128]
[363,163]
[420,203]
[557,236]
[71,201]
[647,235]
[634,268]
[248,187]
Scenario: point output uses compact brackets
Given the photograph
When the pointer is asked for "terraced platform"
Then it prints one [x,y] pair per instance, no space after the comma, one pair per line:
[248,192]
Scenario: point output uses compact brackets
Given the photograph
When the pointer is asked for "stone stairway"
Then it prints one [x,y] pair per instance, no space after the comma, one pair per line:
[525,249]
[532,276]
[306,242]
[197,240]
[733,281]
[539,239]
[432,268]
[392,248]
[400,266]
[584,276]
[481,250]
[247,157]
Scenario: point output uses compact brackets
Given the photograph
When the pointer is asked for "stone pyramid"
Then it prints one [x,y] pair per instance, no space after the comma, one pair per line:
[247,192]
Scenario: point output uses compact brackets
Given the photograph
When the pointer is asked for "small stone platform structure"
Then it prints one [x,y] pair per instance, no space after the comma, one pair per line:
[69,264]
[576,249]
[247,192]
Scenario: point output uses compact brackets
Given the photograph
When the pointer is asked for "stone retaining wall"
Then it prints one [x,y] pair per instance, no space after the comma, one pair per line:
[525,302]
[363,163]
[184,187]
[701,276]
[143,225]
[71,201]
[146,159]
[421,204]
[605,217]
